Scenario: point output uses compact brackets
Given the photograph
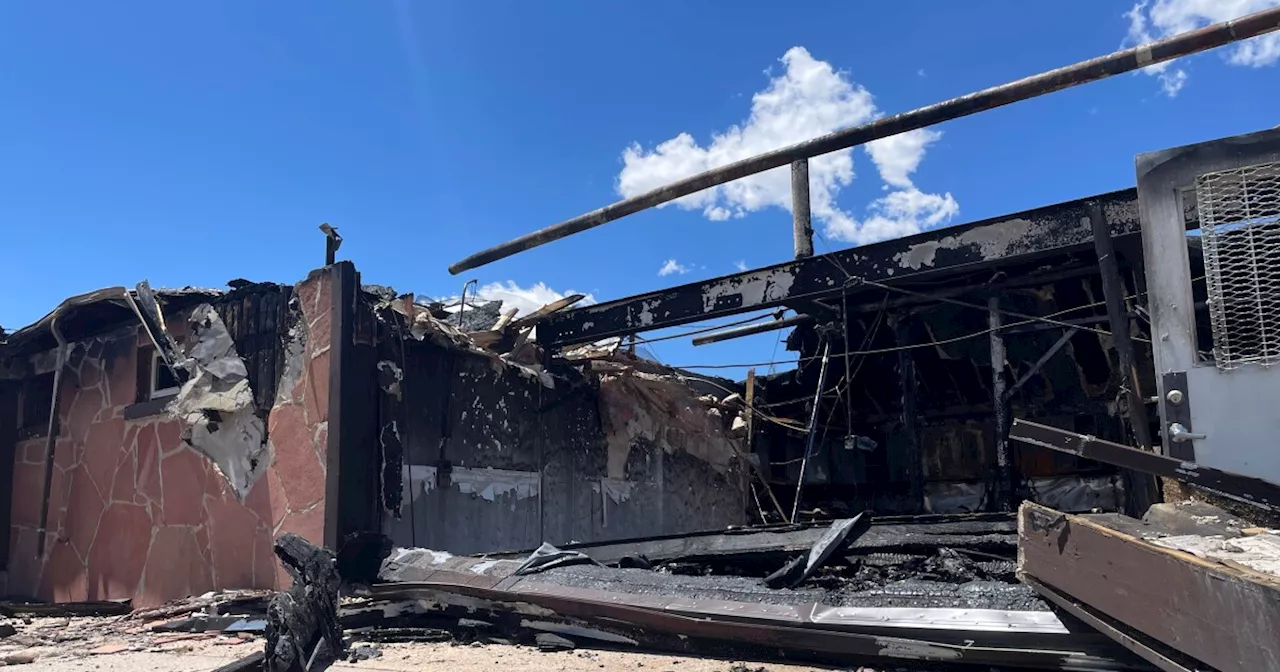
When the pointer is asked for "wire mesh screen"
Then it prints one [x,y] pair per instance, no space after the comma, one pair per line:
[1240,234]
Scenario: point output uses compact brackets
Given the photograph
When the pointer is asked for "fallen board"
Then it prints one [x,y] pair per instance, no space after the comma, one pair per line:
[1225,617]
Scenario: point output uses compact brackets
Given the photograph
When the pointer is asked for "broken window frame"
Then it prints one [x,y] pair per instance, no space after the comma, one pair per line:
[156,366]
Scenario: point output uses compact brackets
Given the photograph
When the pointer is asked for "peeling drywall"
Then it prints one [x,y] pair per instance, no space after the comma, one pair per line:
[616,489]
[392,453]
[417,480]
[636,407]
[389,377]
[489,483]
[295,349]
[486,483]
[216,404]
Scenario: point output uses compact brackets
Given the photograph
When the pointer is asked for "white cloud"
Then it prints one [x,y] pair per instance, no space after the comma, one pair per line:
[809,99]
[672,266]
[527,299]
[1150,21]
[741,265]
[898,213]
[896,157]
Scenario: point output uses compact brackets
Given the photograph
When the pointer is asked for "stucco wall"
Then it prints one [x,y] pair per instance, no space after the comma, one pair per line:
[134,512]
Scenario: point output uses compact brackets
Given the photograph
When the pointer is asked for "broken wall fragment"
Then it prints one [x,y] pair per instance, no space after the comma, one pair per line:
[216,404]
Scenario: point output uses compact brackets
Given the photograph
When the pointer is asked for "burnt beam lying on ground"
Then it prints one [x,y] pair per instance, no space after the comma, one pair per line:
[811,632]
[1052,230]
[1244,488]
[887,533]
[1221,615]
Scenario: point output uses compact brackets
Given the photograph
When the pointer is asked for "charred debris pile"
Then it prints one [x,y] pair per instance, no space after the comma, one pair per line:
[904,594]
[922,593]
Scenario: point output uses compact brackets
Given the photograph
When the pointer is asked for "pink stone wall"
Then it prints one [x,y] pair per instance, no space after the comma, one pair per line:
[134,513]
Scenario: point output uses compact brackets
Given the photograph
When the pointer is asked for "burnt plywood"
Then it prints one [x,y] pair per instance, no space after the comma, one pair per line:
[1222,616]
[500,461]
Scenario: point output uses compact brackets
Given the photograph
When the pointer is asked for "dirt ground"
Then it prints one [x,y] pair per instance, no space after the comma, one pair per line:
[208,655]
[121,644]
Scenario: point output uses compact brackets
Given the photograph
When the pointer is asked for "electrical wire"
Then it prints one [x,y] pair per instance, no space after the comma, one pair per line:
[914,346]
[704,330]
[783,422]
[1010,313]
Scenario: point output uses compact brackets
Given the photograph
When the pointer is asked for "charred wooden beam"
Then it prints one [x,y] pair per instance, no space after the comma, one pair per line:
[1247,489]
[814,633]
[1220,615]
[1002,498]
[1053,230]
[303,632]
[352,479]
[1143,490]
[1150,651]
[1083,72]
[908,387]
[1067,334]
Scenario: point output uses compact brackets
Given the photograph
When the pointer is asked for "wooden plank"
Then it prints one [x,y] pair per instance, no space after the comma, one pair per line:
[1156,654]
[1219,615]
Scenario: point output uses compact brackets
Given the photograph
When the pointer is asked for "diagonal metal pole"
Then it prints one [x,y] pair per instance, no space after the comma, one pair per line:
[813,428]
[1116,63]
[1067,334]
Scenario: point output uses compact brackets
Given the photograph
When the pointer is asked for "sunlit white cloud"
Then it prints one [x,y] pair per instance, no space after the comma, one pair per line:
[1150,21]
[672,267]
[808,99]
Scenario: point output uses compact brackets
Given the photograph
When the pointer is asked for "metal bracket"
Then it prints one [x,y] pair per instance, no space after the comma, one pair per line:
[1256,491]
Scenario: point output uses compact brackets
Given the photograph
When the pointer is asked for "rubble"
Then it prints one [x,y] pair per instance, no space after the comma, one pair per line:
[841,534]
[54,632]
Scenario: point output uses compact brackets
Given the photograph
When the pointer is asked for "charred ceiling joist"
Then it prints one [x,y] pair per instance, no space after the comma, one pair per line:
[1056,229]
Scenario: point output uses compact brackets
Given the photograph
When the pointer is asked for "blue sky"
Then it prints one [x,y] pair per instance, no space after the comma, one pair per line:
[194,143]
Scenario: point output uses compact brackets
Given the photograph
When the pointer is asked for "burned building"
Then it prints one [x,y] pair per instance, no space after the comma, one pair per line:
[901,336]
[157,442]
[189,428]
[119,493]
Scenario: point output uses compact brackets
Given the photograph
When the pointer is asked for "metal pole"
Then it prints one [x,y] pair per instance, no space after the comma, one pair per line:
[1083,72]
[751,448]
[1143,491]
[750,329]
[51,432]
[1003,495]
[802,226]
[813,429]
